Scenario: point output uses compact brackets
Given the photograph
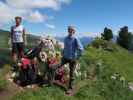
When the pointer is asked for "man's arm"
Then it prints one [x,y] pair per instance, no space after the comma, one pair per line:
[79,47]
[24,37]
[11,35]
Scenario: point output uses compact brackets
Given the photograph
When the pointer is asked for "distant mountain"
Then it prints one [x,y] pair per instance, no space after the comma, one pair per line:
[31,39]
[5,36]
[86,40]
[115,38]
[59,38]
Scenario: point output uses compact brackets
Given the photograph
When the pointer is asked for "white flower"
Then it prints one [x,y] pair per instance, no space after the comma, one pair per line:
[29,86]
[99,63]
[78,66]
[130,86]
[77,70]
[11,80]
[113,77]
[19,64]
[78,74]
[66,66]
[122,78]
[85,74]
[39,73]
[13,74]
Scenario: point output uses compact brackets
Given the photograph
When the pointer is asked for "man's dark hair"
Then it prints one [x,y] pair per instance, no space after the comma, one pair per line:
[18,17]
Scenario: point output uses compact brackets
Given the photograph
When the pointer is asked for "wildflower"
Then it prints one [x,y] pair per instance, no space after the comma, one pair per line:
[113,77]
[122,78]
[77,70]
[85,74]
[130,85]
[99,63]
[13,74]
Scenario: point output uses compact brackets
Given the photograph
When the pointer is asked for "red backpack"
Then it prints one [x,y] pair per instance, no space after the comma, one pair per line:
[25,63]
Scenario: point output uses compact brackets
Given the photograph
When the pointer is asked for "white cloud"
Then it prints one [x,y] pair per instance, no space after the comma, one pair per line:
[8,13]
[28,9]
[53,4]
[50,26]
[66,1]
[37,17]
[33,3]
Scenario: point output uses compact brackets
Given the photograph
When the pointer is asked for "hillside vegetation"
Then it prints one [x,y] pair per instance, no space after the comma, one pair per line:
[106,70]
[5,36]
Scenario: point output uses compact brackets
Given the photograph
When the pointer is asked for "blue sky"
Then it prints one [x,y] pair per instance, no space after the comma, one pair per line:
[89,16]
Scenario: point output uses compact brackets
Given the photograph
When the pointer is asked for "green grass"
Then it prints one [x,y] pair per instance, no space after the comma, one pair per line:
[103,88]
[103,61]
[3,83]
[4,36]
[87,92]
[120,61]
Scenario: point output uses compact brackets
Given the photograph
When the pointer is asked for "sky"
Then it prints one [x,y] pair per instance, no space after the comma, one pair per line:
[54,16]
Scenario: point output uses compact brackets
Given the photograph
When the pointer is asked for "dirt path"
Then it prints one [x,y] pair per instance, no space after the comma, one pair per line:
[10,91]
[12,88]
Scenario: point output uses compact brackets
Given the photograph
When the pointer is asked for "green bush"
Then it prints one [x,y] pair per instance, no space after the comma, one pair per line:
[104,44]
[3,83]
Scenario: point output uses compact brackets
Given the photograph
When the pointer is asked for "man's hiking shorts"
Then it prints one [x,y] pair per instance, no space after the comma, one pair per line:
[18,48]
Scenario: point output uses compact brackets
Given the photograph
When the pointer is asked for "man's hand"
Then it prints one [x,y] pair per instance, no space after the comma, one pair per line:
[24,38]
[79,54]
[25,43]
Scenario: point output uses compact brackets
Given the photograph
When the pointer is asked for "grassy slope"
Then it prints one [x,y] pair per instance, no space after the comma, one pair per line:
[120,61]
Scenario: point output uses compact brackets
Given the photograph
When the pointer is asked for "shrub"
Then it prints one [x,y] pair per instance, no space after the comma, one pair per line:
[3,83]
[106,45]
[125,38]
[107,34]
